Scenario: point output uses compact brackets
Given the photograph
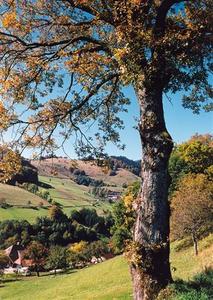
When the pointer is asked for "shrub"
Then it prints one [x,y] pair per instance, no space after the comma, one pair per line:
[3,203]
[112,173]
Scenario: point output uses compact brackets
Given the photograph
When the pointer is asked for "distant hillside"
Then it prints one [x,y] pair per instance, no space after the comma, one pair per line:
[133,166]
[69,194]
[58,176]
[64,168]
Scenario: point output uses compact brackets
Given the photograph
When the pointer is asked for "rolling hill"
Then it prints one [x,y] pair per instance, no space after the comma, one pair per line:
[56,177]
[62,190]
[60,167]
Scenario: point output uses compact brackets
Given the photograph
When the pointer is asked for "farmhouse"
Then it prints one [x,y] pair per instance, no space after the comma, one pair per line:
[114,196]
[16,256]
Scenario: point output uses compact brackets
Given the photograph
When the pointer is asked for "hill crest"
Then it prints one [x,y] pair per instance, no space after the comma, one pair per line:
[64,168]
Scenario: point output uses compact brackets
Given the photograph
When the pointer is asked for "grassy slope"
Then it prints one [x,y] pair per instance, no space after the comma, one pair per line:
[105,281]
[17,196]
[22,214]
[187,264]
[64,191]
[68,193]
[109,280]
[61,167]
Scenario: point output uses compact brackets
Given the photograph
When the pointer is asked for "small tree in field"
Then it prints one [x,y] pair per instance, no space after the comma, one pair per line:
[37,253]
[58,258]
[56,213]
[192,208]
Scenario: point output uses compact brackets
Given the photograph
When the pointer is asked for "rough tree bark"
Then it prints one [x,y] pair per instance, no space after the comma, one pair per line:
[150,265]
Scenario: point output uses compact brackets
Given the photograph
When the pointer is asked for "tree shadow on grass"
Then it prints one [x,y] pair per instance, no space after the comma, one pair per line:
[200,288]
[10,279]
[69,271]
[45,185]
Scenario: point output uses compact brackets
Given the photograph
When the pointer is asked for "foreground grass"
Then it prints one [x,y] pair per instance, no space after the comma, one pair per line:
[200,288]
[108,280]
[186,265]
[111,280]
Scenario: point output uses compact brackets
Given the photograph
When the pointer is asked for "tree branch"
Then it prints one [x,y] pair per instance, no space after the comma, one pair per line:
[106,16]
[162,14]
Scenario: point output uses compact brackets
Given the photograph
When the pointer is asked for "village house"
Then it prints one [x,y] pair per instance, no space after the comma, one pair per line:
[16,256]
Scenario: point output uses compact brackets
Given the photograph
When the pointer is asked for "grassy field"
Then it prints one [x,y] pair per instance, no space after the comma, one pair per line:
[66,192]
[186,264]
[19,199]
[71,195]
[106,281]
[17,196]
[22,213]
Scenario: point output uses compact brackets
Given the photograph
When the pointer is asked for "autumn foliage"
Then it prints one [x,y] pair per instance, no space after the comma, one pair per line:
[192,208]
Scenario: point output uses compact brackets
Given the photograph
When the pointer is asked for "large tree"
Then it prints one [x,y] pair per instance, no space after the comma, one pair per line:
[63,66]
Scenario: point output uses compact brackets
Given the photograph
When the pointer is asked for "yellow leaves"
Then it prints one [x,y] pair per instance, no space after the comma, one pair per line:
[83,2]
[32,141]
[47,116]
[192,205]
[5,117]
[87,63]
[120,53]
[12,86]
[12,21]
[37,140]
[9,20]
[62,20]
[10,164]
[136,2]
[2,109]
[128,201]
[78,247]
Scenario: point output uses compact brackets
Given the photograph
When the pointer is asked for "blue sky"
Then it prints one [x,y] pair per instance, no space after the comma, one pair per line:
[181,123]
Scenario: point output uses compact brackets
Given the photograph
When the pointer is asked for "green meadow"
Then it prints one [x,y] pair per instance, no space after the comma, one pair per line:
[109,280]
[64,191]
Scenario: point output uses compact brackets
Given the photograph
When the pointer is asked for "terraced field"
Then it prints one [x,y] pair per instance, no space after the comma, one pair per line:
[64,191]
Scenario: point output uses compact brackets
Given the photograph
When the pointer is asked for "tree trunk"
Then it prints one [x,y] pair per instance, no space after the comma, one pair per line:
[37,271]
[150,267]
[194,238]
